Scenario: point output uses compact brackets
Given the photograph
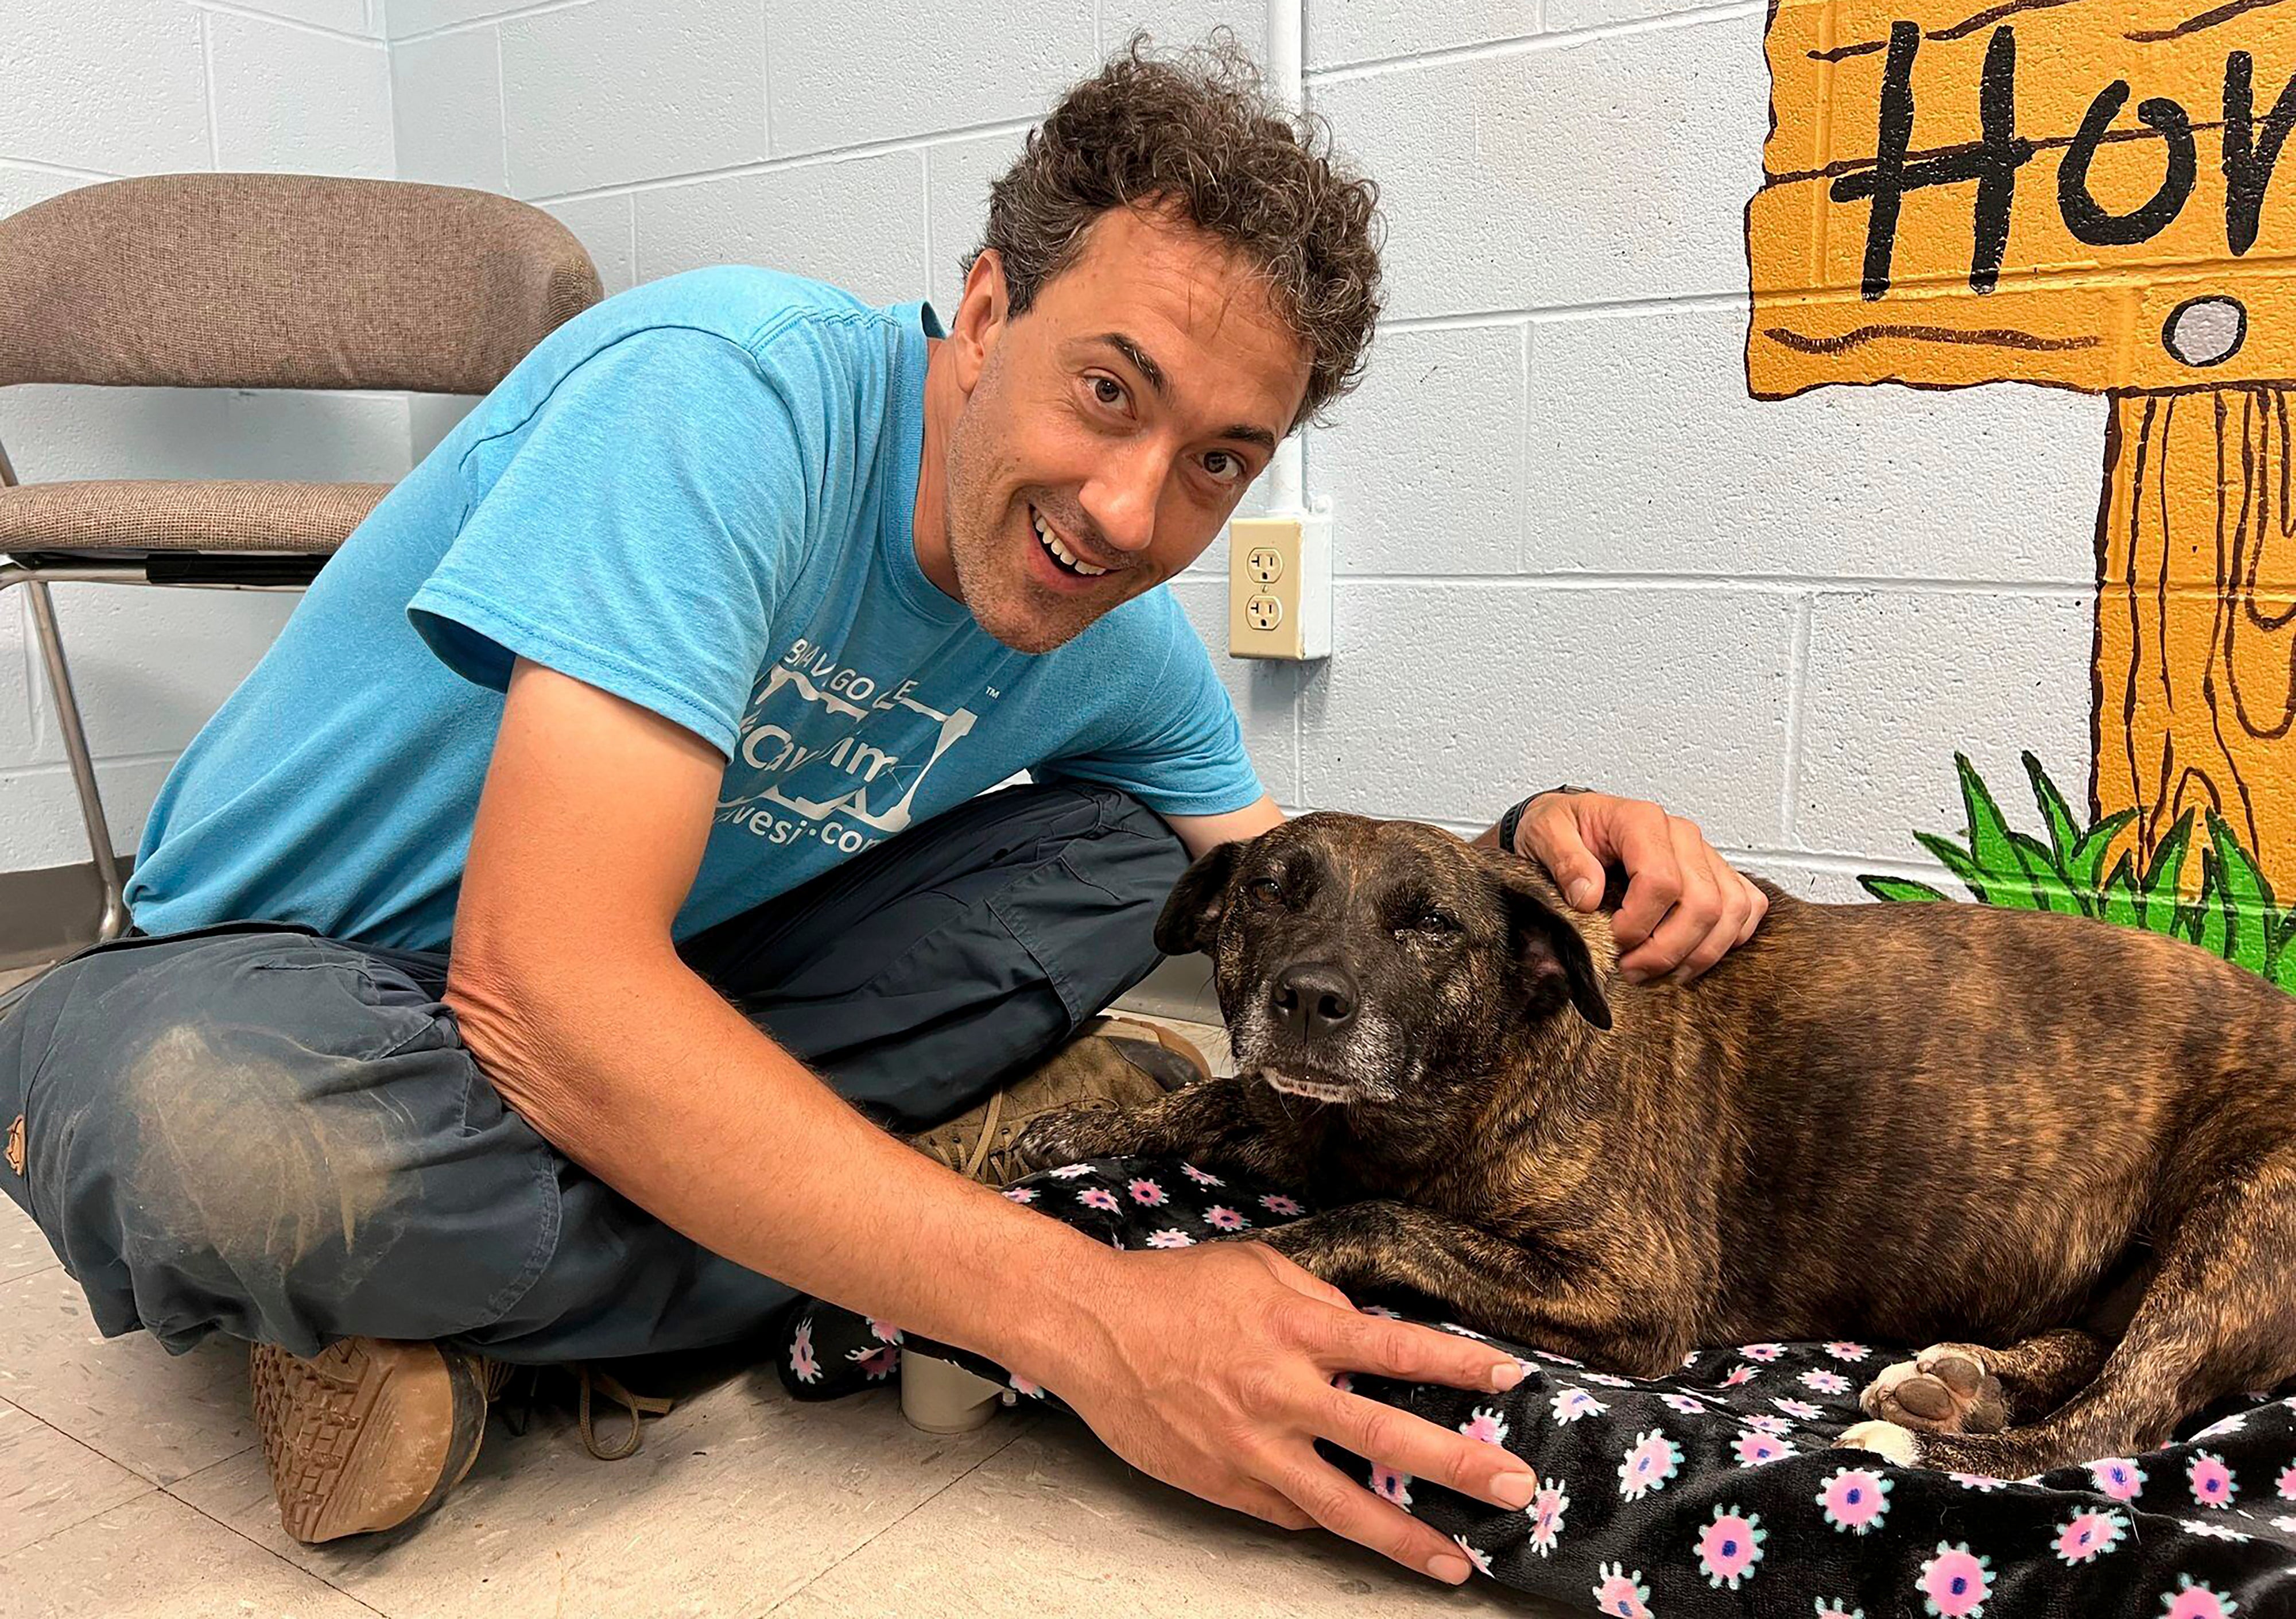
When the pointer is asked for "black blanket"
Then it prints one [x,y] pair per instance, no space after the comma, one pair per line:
[1713,1491]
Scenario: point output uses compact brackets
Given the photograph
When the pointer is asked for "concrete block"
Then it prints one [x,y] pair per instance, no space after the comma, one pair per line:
[447,108]
[429,418]
[1564,16]
[1450,701]
[844,76]
[117,86]
[361,17]
[624,90]
[1424,463]
[1603,171]
[21,689]
[403,18]
[1647,455]
[150,666]
[858,224]
[958,175]
[40,824]
[1900,682]
[605,229]
[1340,31]
[1186,22]
[158,432]
[20,187]
[1265,694]
[287,99]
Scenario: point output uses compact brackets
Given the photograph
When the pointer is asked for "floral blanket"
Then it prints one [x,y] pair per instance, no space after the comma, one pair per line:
[1712,1492]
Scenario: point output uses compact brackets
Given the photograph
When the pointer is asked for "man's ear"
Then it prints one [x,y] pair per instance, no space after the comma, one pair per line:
[1549,950]
[1191,915]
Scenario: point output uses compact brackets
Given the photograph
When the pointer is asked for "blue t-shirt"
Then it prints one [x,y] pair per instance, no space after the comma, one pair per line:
[697,496]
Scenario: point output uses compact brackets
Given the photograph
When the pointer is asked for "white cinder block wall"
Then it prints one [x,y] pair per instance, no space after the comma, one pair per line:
[1569,546]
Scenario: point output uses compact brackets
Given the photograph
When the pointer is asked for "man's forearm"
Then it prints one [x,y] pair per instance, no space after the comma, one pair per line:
[639,1072]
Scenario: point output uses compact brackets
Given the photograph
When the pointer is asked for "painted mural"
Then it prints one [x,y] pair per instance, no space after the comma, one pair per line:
[2080,195]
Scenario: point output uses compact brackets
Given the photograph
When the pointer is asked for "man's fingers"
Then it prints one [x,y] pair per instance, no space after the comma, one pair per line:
[1269,1507]
[1550,833]
[1354,1514]
[1413,1445]
[1299,1278]
[1757,906]
[1350,1343]
[1643,842]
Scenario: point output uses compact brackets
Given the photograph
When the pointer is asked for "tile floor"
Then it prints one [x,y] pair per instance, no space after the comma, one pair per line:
[130,1485]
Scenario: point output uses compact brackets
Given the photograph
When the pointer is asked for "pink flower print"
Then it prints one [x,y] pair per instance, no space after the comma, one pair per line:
[1825,1382]
[1767,1422]
[1480,1560]
[1851,1352]
[1854,1499]
[801,1360]
[1752,1450]
[1489,1426]
[1548,1355]
[1170,1239]
[2284,1523]
[1730,1546]
[1738,1376]
[1683,1403]
[1021,1194]
[1022,1385]
[1571,1404]
[1547,1510]
[1649,1463]
[1343,1382]
[1608,1381]
[1978,1482]
[1761,1351]
[2120,1477]
[877,1362]
[2214,1532]
[1836,1609]
[1802,1409]
[1147,1194]
[2232,1423]
[1622,1593]
[1201,1177]
[2191,1601]
[2086,1536]
[1276,1202]
[1224,1219]
[1070,1171]
[1098,1197]
[884,1332]
[1381,1311]
[1956,1582]
[1392,1484]
[2288,1486]
[2213,1484]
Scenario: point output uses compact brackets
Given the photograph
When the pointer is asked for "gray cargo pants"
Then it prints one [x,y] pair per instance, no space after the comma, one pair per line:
[257,1130]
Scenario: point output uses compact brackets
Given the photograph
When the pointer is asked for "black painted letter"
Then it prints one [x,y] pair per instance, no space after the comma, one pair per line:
[2090,222]
[2248,162]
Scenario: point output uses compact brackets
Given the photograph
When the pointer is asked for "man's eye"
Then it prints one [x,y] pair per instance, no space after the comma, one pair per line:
[1225,465]
[1268,891]
[1108,391]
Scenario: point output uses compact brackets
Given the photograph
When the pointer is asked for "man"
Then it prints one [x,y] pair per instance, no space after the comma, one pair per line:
[668,691]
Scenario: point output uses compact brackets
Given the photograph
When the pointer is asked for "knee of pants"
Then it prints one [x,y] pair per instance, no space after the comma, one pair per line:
[281,1165]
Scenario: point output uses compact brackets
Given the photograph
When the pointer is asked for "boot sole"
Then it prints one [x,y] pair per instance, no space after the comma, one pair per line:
[366,1435]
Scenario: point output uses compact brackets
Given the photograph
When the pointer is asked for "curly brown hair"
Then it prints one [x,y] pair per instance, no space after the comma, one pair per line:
[1197,133]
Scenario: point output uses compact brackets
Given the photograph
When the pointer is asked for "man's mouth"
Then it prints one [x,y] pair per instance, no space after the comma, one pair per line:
[1063,558]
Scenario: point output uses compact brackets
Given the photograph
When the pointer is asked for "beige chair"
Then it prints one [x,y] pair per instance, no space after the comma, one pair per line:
[247,281]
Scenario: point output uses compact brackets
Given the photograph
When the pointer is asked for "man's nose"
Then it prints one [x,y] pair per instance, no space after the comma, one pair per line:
[1121,500]
[1314,997]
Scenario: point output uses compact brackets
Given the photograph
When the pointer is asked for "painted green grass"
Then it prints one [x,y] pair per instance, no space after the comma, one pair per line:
[2234,915]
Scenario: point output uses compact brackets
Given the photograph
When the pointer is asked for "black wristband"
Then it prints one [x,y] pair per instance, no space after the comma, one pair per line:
[1513,819]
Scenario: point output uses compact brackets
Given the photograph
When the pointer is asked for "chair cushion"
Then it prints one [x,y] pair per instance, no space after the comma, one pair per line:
[154,514]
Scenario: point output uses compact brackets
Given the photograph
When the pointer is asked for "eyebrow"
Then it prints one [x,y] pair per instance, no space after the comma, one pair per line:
[1146,365]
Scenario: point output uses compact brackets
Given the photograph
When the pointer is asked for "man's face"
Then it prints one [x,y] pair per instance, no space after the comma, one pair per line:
[1107,434]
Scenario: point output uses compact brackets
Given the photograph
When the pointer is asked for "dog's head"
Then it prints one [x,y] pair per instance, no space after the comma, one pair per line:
[1375,962]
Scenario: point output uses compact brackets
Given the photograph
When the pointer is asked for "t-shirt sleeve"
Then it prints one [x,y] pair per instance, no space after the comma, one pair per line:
[637,530]
[1173,743]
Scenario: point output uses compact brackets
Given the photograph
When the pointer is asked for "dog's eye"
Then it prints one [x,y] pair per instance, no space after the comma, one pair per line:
[1435,922]
[1268,891]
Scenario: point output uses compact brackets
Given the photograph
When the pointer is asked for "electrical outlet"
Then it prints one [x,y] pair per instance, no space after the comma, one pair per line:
[1280,588]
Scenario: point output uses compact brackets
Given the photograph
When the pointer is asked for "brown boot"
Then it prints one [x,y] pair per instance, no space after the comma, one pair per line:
[1115,1063]
[371,1433]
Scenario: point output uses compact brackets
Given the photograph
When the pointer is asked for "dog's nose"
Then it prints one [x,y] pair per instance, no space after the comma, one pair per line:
[1314,997]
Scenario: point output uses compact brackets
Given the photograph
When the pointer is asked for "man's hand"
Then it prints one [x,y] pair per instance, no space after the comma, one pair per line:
[1686,907]
[1211,1369]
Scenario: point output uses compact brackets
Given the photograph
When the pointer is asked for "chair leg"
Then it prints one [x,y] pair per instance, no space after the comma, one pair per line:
[114,921]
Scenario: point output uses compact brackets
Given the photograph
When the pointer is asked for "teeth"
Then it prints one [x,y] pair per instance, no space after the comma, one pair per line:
[1069,559]
[1315,1089]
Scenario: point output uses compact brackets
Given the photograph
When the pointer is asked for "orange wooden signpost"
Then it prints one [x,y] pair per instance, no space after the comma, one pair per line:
[2078,194]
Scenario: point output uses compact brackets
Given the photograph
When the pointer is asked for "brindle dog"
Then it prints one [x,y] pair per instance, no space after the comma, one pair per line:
[1906,1123]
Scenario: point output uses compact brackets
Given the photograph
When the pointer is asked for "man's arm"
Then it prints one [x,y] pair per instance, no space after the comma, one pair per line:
[572,998]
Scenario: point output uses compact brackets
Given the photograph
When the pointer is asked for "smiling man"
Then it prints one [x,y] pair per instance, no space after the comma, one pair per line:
[538,947]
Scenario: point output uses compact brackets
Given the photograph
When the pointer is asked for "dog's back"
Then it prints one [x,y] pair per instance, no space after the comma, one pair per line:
[1957,1119]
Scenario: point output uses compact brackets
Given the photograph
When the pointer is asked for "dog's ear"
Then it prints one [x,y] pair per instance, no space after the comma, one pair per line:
[1548,948]
[1191,917]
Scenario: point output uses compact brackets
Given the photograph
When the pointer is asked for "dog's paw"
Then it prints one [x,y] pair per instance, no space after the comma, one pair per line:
[1948,1388]
[1885,1439]
[1066,1135]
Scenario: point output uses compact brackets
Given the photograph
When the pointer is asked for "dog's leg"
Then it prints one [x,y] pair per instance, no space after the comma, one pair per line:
[2217,1319]
[1962,1388]
[1207,1120]
[1493,1284]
